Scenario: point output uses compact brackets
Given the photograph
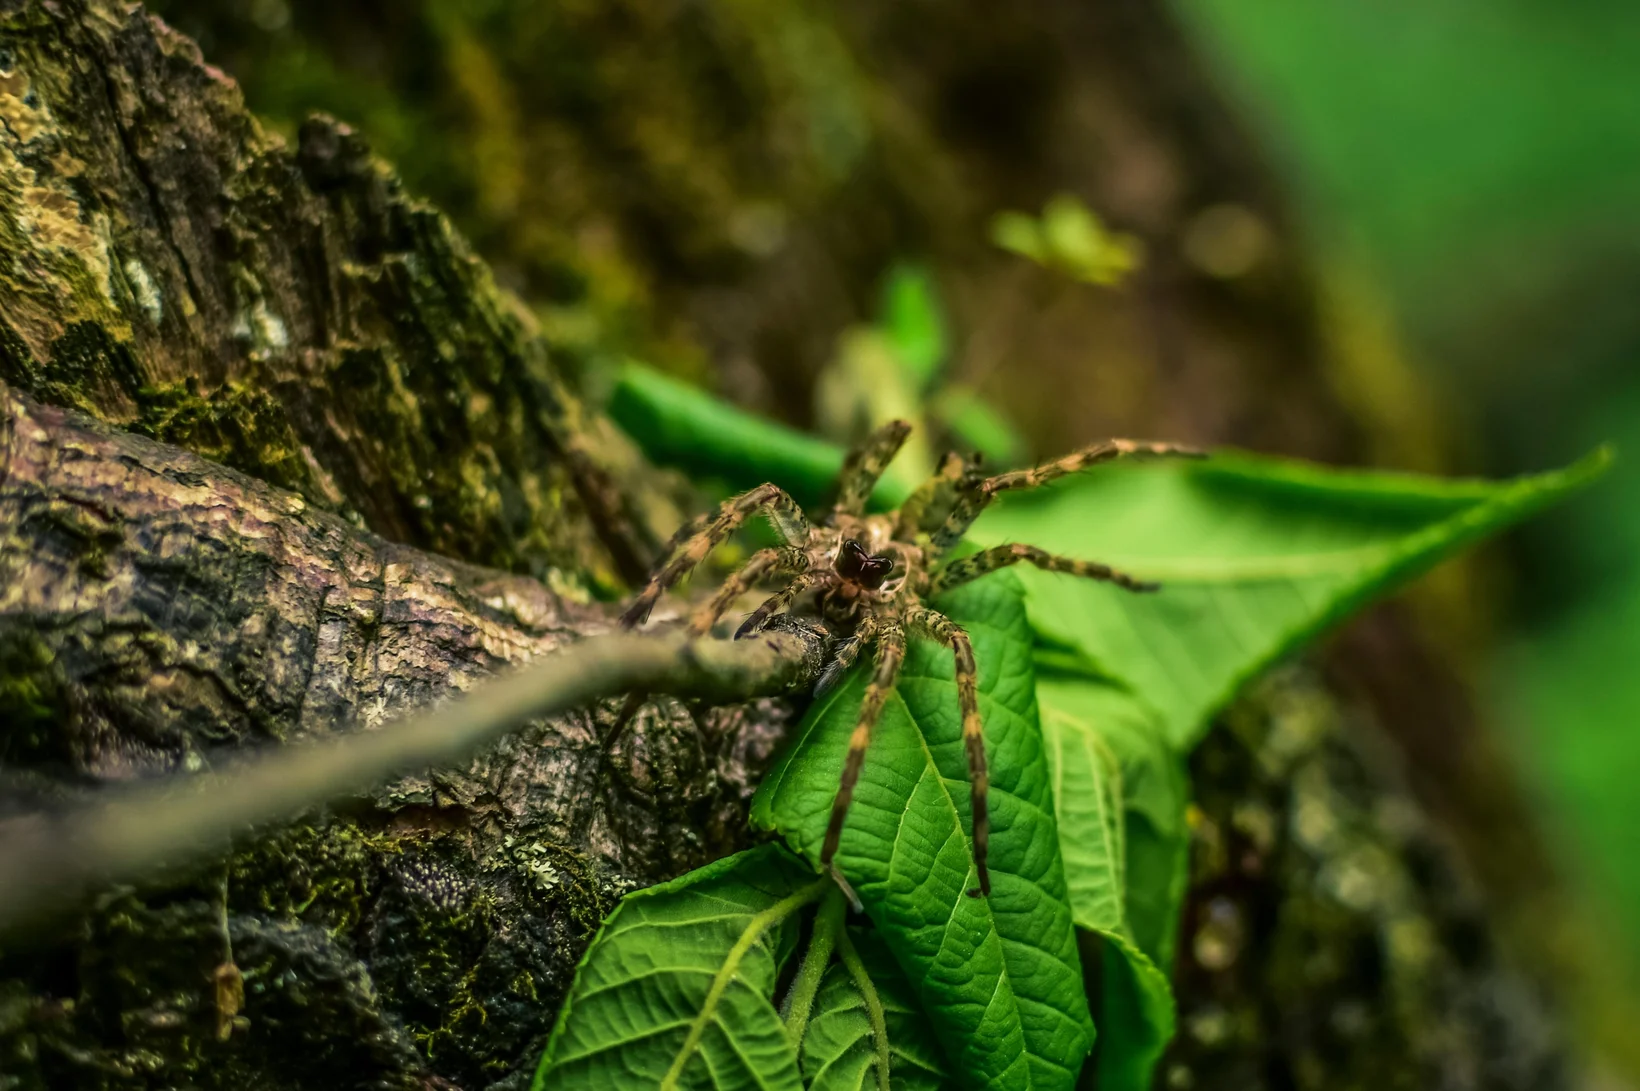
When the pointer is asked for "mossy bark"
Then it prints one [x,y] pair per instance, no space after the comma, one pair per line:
[163,613]
[176,271]
[281,306]
[287,310]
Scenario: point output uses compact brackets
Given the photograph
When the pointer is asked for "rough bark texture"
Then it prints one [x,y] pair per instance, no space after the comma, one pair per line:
[283,308]
[161,613]
[289,312]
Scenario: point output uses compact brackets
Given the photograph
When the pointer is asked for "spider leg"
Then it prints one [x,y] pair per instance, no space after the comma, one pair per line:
[864,465]
[757,566]
[848,650]
[779,601]
[783,512]
[928,505]
[949,633]
[972,501]
[972,567]
[890,654]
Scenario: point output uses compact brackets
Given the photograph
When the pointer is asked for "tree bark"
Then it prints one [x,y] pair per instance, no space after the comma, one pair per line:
[287,311]
[158,614]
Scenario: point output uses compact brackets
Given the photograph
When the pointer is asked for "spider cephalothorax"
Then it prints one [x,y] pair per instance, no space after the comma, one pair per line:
[872,575]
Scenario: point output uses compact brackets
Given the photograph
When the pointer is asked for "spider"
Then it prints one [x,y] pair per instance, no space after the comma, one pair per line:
[873,574]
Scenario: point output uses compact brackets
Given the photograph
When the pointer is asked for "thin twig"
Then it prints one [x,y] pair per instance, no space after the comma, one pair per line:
[49,863]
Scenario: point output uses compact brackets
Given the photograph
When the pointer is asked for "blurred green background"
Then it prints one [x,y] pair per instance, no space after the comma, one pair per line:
[716,189]
[1481,162]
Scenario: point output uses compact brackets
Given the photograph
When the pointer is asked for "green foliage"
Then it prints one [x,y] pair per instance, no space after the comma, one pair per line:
[679,425]
[676,989]
[912,323]
[975,426]
[1119,798]
[1070,239]
[1256,556]
[998,977]
[1091,697]
[1465,152]
[838,1048]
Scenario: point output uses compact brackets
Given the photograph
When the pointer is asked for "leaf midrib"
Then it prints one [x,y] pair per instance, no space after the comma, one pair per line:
[759,924]
[1205,571]
[1004,976]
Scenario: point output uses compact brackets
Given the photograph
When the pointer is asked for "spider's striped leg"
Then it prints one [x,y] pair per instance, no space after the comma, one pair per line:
[931,502]
[848,650]
[764,562]
[970,502]
[779,601]
[864,465]
[949,633]
[693,526]
[890,654]
[782,511]
[975,565]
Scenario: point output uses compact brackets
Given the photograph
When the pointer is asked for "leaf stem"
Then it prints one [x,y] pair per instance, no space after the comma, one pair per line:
[874,1004]
[755,928]
[828,922]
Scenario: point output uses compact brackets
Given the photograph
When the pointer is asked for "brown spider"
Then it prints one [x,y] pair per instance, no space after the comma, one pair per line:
[871,575]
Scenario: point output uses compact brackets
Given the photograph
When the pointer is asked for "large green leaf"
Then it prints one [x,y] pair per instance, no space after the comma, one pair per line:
[675,990]
[838,1047]
[680,425]
[999,977]
[1256,556]
[1119,795]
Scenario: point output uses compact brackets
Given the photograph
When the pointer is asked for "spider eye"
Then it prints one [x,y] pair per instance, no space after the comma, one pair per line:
[851,560]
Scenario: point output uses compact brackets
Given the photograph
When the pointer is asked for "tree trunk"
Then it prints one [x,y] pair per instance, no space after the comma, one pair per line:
[422,496]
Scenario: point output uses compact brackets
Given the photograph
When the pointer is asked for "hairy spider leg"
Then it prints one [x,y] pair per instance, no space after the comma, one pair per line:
[783,512]
[693,526]
[986,561]
[780,600]
[949,633]
[972,501]
[848,650]
[864,466]
[890,654]
[928,505]
[764,562]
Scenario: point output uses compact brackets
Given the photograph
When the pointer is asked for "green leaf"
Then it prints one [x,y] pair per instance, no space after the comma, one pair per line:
[676,424]
[973,423]
[912,323]
[1137,1017]
[838,1048]
[1018,233]
[998,977]
[1256,557]
[675,989]
[1119,796]
[1069,238]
